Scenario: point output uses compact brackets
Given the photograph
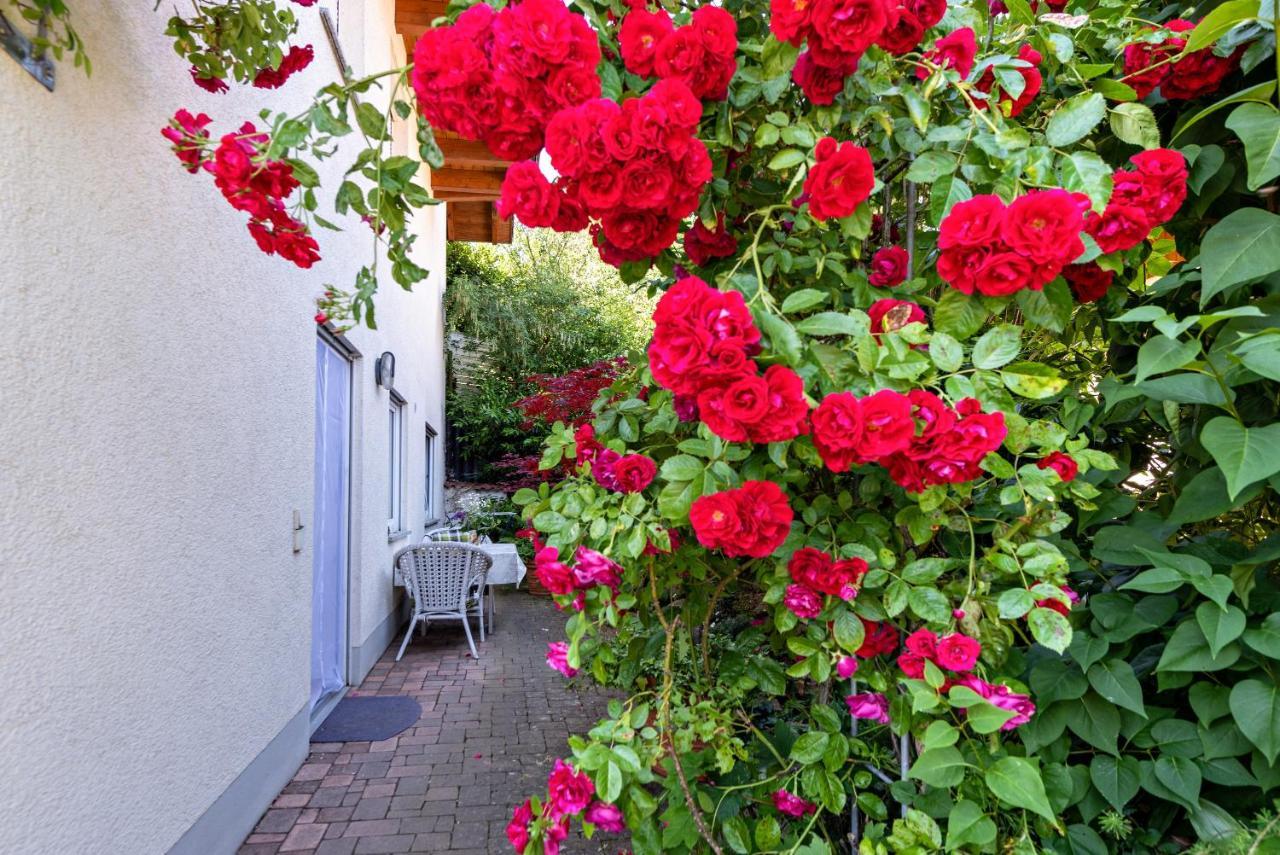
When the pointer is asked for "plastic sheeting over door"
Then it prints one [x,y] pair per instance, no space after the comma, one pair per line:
[329,524]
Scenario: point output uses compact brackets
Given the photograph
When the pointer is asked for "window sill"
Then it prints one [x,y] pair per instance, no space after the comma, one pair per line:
[429,523]
[392,537]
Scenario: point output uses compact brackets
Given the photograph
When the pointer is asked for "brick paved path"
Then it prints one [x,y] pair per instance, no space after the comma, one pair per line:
[489,733]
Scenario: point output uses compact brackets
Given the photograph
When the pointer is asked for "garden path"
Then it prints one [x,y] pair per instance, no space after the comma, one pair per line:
[489,733]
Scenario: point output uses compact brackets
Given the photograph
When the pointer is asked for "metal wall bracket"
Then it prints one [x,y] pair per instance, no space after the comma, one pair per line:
[21,48]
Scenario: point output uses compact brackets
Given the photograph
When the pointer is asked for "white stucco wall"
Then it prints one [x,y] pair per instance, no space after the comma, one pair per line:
[156,436]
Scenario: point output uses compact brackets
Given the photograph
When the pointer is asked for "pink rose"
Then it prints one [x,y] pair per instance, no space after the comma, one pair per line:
[803,602]
[847,667]
[568,792]
[594,568]
[558,658]
[869,705]
[606,816]
[958,652]
[792,805]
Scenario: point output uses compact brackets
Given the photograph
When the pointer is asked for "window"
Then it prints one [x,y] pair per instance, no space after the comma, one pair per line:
[429,471]
[395,465]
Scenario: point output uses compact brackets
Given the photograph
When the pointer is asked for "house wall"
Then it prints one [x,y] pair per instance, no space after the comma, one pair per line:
[156,437]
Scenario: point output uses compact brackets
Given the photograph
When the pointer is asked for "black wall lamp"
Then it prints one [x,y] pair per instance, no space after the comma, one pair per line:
[384,370]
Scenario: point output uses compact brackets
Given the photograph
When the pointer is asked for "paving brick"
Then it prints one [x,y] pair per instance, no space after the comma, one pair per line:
[489,733]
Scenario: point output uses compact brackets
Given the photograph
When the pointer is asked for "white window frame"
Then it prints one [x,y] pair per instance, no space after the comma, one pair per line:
[395,466]
[429,474]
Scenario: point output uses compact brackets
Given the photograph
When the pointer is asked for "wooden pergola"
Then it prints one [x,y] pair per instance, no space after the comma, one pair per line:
[471,176]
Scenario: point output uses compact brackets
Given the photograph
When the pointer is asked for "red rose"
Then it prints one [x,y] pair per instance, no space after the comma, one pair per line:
[1119,227]
[972,223]
[930,12]
[843,29]
[955,50]
[717,29]
[958,652]
[886,424]
[189,136]
[641,33]
[1005,273]
[294,61]
[645,183]
[922,643]
[880,638]
[528,194]
[701,337]
[568,792]
[702,244]
[215,85]
[752,520]
[553,574]
[819,83]
[888,315]
[903,32]
[1196,74]
[889,266]
[1044,226]
[790,19]
[912,665]
[1163,175]
[701,54]
[1143,68]
[1032,81]
[634,472]
[959,266]
[837,430]
[841,179]
[1064,464]
[764,409]
[1088,281]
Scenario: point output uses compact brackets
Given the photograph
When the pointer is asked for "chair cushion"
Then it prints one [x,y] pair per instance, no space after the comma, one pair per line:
[456,536]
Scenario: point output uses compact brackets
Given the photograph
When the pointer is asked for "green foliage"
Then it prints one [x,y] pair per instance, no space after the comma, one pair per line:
[60,36]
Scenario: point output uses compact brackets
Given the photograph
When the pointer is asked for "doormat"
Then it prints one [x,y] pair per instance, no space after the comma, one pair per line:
[368,718]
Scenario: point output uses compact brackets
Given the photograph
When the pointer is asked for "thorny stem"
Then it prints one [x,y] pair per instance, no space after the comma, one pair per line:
[706,623]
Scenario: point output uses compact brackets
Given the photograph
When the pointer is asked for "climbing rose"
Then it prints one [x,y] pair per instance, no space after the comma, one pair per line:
[847,667]
[878,639]
[818,571]
[1088,281]
[1141,200]
[792,805]
[606,817]
[820,83]
[869,705]
[1064,464]
[701,53]
[764,409]
[889,267]
[216,85]
[189,136]
[752,520]
[641,33]
[1198,73]
[842,30]
[527,194]
[702,337]
[848,430]
[568,792]
[553,574]
[518,828]
[554,835]
[1002,697]
[841,179]
[558,658]
[903,31]
[955,50]
[634,472]
[957,652]
[294,61]
[702,244]
[596,568]
[801,601]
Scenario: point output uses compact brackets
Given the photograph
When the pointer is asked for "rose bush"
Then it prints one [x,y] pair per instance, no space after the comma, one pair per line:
[986,565]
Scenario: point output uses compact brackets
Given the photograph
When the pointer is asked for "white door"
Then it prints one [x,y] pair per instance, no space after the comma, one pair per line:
[330,523]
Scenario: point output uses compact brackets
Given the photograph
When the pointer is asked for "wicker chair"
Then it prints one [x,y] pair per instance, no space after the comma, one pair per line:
[445,581]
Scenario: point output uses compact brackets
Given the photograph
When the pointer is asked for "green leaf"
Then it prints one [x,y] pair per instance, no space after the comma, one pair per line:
[681,467]
[1050,629]
[1258,127]
[1097,722]
[1033,380]
[1215,25]
[810,747]
[946,352]
[1241,247]
[939,767]
[1188,650]
[929,166]
[1255,706]
[1117,778]
[1266,638]
[1077,116]
[998,346]
[1015,602]
[967,825]
[1220,626]
[805,298]
[849,631]
[1016,781]
[1186,388]
[1245,454]
[959,314]
[1115,681]
[1161,354]
[929,605]
[786,159]
[1050,307]
[1136,124]
[832,323]
[1085,172]
[1260,92]
[371,120]
[1180,775]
